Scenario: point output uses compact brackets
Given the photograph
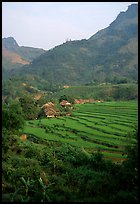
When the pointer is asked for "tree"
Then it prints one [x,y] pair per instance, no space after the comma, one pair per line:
[12,121]
[132,151]
[29,106]
[121,92]
[128,175]
[12,116]
[67,98]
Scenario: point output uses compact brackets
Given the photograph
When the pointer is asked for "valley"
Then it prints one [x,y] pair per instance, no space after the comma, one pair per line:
[70,117]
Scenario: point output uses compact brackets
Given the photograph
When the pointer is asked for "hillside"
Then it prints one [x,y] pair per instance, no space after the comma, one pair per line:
[111,55]
[70,117]
[91,156]
[14,56]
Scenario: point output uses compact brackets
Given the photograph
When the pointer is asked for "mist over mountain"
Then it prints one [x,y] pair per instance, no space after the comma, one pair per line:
[111,55]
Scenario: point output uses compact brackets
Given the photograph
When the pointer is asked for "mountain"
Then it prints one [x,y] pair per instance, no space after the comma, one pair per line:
[15,56]
[111,55]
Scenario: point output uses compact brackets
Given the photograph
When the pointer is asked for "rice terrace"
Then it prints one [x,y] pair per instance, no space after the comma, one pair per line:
[70,102]
[92,126]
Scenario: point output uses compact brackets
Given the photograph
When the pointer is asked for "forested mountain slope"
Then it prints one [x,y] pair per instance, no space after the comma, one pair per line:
[111,55]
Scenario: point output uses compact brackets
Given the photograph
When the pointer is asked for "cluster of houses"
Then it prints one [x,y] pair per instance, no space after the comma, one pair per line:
[50,110]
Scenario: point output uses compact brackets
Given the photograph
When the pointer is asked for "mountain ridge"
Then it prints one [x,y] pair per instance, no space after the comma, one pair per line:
[107,56]
[14,56]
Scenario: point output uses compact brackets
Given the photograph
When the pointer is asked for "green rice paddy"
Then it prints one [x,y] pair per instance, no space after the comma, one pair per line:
[93,126]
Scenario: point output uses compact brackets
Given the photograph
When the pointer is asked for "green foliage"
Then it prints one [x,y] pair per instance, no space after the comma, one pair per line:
[124,92]
[93,126]
[67,98]
[9,140]
[107,92]
[65,173]
[29,106]
[62,159]
[12,116]
[8,89]
[132,153]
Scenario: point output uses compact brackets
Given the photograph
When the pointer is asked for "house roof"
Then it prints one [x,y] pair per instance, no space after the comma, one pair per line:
[48,105]
[65,103]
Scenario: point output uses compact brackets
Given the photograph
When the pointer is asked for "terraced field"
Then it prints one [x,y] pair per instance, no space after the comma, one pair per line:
[92,126]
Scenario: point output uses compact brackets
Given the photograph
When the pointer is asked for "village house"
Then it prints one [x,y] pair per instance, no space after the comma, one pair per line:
[65,104]
[50,113]
[49,110]
[48,105]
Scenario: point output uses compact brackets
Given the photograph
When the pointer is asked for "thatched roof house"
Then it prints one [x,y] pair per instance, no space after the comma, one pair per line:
[49,110]
[51,113]
[65,103]
[48,105]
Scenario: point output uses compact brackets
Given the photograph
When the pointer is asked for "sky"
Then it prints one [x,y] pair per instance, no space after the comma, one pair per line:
[49,24]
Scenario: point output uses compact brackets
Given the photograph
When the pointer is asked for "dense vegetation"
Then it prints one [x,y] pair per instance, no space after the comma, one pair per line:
[33,86]
[91,155]
[107,92]
[40,170]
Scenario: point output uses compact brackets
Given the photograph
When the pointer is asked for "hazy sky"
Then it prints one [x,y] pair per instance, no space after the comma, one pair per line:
[48,24]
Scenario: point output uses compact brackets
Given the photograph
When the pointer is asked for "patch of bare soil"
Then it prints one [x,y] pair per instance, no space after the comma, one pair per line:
[13,57]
